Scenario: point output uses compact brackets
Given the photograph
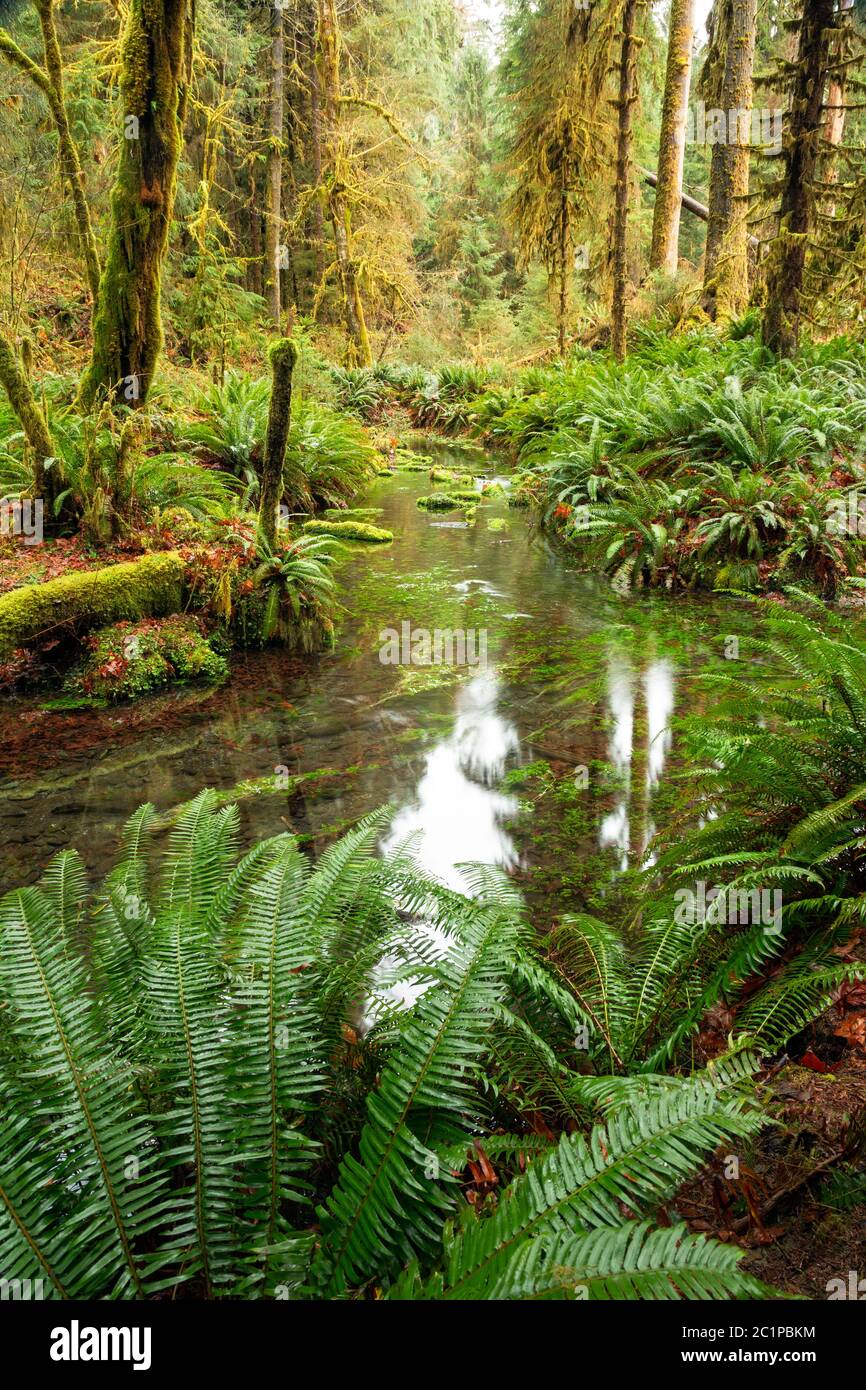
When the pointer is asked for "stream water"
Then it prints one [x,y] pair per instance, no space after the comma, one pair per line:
[570,714]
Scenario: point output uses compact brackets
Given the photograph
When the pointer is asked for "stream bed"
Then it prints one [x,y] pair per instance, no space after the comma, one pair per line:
[560,704]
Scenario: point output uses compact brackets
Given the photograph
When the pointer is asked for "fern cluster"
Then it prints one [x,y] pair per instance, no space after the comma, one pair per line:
[209,1088]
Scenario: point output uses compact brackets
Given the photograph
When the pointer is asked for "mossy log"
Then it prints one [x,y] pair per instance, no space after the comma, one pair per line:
[350,531]
[150,587]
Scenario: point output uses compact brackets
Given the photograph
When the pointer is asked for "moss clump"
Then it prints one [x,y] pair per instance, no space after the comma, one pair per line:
[444,502]
[443,475]
[150,587]
[349,531]
[133,659]
[499,523]
[352,513]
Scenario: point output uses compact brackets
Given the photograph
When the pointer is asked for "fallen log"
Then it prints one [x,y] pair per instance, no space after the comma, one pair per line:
[151,587]
[690,204]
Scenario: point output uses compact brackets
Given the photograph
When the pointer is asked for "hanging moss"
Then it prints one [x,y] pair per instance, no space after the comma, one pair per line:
[349,531]
[150,587]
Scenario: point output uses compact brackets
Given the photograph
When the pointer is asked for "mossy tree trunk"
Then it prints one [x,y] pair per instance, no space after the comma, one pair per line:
[627,96]
[566,270]
[787,258]
[664,252]
[360,352]
[283,355]
[316,147]
[49,80]
[274,170]
[156,60]
[726,263]
[14,379]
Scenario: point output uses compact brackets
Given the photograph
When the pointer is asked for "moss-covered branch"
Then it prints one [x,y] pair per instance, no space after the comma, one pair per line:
[33,422]
[150,587]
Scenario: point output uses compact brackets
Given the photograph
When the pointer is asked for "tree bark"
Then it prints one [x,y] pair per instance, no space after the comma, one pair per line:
[282,354]
[664,252]
[156,62]
[274,170]
[625,109]
[787,259]
[726,263]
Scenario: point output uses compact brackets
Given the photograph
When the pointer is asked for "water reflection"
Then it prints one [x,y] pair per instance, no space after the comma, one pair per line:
[615,828]
[628,827]
[457,815]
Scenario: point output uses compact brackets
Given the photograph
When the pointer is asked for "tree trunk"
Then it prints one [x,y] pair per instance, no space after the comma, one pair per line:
[274,171]
[283,355]
[566,269]
[836,94]
[625,109]
[316,154]
[50,82]
[726,263]
[787,259]
[664,253]
[156,61]
[26,407]
[255,278]
[359,349]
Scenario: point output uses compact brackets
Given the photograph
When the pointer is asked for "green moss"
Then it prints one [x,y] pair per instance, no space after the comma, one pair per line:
[150,587]
[349,531]
[498,523]
[444,502]
[133,659]
[443,475]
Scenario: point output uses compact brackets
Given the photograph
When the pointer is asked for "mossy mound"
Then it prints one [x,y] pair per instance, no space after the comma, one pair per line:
[443,475]
[442,502]
[352,513]
[498,523]
[350,531]
[129,660]
[149,587]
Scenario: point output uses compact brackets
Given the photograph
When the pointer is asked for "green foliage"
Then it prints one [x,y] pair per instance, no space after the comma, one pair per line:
[698,462]
[212,1131]
[328,456]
